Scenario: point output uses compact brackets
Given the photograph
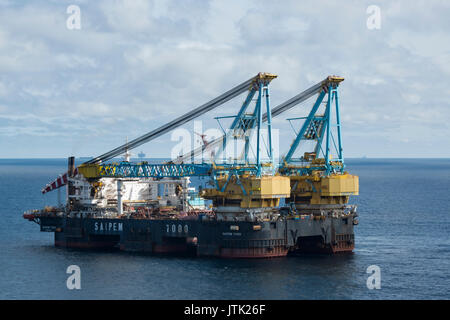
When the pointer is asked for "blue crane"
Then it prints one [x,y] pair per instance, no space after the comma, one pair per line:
[242,123]
[318,127]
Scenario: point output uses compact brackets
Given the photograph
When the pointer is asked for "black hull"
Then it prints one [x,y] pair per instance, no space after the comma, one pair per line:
[224,239]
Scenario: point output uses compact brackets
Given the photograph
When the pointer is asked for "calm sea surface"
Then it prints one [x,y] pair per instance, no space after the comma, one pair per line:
[404,229]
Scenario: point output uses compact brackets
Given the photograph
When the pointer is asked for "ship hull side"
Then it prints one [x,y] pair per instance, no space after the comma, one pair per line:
[225,239]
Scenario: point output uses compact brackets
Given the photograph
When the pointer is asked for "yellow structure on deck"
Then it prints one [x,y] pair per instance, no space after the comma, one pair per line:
[89,170]
[317,189]
[260,192]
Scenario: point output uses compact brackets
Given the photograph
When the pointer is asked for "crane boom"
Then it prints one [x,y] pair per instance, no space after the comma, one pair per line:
[230,94]
[299,98]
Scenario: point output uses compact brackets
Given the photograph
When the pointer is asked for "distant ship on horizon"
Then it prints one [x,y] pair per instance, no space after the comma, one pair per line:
[141,154]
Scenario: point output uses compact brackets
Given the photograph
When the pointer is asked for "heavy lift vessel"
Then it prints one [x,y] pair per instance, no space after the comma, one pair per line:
[259,208]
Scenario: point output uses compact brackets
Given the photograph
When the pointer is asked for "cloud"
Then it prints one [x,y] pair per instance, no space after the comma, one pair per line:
[137,64]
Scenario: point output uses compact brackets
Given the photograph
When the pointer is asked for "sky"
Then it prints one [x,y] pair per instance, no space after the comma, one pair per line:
[135,65]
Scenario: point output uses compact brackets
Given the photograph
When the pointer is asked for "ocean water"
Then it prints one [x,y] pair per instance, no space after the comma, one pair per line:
[404,230]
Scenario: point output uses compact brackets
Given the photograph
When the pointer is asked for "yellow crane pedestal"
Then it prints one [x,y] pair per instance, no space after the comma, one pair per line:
[316,189]
[248,191]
